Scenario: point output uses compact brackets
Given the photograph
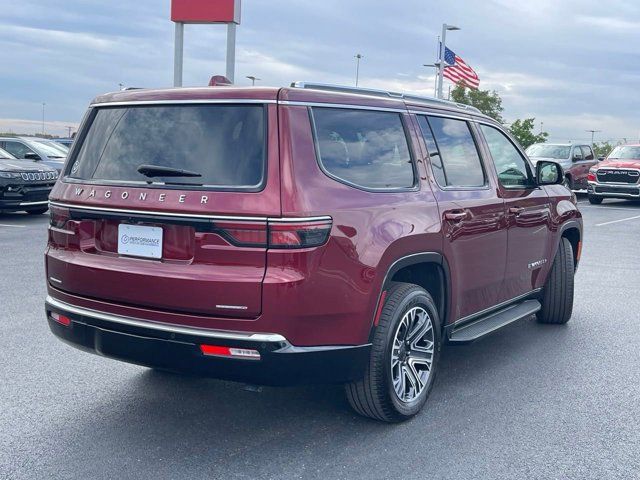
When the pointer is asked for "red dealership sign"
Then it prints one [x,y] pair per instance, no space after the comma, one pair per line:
[205,11]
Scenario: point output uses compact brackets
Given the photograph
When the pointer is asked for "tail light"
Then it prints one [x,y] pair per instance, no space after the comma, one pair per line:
[278,233]
[293,234]
[591,176]
[58,216]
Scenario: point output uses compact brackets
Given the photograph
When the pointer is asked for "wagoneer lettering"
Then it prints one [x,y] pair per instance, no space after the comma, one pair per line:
[301,235]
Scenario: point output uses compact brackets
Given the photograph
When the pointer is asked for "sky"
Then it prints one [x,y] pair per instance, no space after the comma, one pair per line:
[574,65]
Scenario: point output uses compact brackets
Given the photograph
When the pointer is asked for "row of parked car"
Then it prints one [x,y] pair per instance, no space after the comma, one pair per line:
[615,176]
[29,167]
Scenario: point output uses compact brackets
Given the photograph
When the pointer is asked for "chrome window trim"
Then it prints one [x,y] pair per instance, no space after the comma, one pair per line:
[164,327]
[191,215]
[439,114]
[342,105]
[183,102]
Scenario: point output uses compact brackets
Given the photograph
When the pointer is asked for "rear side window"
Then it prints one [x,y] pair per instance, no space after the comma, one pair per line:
[587,153]
[458,153]
[432,148]
[225,144]
[364,148]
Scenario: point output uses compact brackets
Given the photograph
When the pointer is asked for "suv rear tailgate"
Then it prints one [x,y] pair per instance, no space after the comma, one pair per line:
[212,258]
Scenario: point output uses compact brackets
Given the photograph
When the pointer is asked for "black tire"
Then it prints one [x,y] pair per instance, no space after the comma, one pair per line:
[568,182]
[38,211]
[593,200]
[557,297]
[374,395]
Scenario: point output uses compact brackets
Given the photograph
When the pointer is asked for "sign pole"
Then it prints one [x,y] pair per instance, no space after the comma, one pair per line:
[178,55]
[231,51]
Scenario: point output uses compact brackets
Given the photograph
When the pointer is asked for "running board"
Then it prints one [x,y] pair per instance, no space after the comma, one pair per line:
[476,329]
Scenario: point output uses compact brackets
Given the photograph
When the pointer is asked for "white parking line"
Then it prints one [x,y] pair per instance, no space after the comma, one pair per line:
[605,208]
[617,221]
[8,225]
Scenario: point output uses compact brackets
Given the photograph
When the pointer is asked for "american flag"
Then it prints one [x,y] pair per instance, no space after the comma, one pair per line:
[457,71]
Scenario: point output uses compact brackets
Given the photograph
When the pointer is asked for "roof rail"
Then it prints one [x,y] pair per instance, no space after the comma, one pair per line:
[382,93]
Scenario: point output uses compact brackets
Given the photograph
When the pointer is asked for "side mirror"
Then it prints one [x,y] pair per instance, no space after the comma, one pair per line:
[32,156]
[549,173]
[576,157]
[600,159]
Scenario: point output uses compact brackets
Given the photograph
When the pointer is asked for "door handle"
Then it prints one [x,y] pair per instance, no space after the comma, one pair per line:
[456,215]
[516,210]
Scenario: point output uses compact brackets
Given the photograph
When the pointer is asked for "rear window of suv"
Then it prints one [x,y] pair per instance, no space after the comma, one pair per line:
[363,148]
[225,144]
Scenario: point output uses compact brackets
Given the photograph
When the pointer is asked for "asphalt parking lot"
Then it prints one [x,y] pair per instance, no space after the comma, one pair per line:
[531,401]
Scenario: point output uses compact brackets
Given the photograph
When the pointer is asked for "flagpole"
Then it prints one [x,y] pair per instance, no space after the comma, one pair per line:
[435,82]
[443,47]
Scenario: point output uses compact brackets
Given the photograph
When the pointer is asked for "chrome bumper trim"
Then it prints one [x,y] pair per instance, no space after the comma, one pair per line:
[164,327]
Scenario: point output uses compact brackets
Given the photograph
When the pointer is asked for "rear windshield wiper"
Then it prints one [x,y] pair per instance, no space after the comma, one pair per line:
[161,171]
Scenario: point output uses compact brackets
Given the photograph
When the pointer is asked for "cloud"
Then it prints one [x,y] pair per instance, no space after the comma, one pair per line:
[566,63]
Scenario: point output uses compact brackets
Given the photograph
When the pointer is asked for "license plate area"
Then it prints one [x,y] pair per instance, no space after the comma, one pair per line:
[140,241]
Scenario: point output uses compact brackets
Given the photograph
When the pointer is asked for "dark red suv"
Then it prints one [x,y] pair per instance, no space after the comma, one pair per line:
[305,234]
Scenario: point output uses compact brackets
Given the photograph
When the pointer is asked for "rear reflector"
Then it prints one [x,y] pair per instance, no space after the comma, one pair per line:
[61,319]
[380,307]
[579,252]
[233,352]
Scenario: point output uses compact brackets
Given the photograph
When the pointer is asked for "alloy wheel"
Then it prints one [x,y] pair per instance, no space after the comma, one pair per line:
[412,354]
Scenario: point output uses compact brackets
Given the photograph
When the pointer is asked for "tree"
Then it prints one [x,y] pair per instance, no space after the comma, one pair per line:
[602,149]
[488,102]
[522,130]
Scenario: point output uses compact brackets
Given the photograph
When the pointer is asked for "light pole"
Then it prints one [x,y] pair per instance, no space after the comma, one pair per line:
[593,132]
[253,79]
[69,131]
[358,57]
[435,86]
[441,61]
[43,105]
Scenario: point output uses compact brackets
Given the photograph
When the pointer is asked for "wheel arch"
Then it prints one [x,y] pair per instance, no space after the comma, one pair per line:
[429,270]
[572,232]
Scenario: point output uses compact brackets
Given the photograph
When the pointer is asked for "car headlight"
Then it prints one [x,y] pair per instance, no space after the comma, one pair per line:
[9,175]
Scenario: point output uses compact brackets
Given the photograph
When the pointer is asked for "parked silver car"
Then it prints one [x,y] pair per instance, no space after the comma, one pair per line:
[38,149]
[576,160]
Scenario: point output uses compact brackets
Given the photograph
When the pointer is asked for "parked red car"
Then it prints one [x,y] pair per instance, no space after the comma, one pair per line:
[304,234]
[617,176]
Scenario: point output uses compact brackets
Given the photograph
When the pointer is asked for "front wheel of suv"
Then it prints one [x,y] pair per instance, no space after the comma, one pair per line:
[557,298]
[404,357]
[593,200]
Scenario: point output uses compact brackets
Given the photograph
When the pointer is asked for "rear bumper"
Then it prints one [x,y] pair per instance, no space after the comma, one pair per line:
[177,348]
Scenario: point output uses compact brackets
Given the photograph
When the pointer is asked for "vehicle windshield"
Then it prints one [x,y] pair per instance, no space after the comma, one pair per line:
[625,153]
[559,152]
[224,144]
[5,154]
[50,149]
